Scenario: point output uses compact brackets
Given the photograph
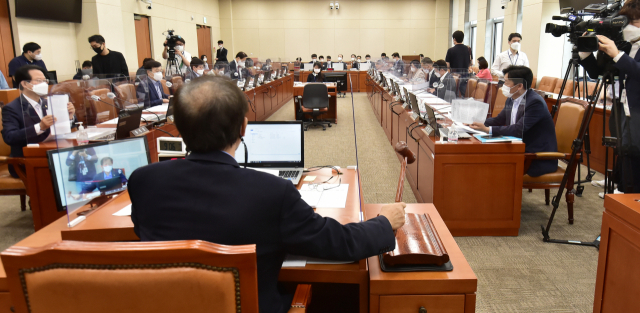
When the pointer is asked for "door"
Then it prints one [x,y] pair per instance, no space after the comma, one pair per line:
[142,38]
[204,42]
[7,53]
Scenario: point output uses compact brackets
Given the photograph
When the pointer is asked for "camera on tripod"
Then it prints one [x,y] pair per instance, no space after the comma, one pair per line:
[172,39]
[605,22]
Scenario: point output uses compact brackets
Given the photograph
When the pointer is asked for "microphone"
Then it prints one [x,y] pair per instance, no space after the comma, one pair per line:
[113,96]
[97,98]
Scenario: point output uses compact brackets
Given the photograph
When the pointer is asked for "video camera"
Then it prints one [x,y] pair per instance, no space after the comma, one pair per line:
[172,39]
[605,22]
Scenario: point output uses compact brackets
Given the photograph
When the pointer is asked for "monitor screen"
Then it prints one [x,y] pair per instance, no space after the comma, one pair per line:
[55,10]
[273,144]
[83,173]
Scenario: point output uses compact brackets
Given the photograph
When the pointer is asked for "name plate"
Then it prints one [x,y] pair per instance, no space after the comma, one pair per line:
[429,130]
[142,130]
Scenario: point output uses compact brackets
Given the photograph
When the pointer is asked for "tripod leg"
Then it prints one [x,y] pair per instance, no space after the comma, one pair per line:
[547,193]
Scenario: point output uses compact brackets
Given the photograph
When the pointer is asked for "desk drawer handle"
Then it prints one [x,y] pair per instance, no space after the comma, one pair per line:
[422,310]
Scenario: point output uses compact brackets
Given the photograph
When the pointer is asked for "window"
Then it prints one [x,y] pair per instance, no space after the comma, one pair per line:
[497,39]
[472,42]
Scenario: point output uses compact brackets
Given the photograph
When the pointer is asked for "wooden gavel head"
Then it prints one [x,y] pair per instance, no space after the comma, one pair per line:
[405,152]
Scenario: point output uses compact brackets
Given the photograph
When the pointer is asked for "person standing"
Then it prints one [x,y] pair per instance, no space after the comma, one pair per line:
[107,63]
[31,55]
[221,53]
[458,60]
[182,60]
[511,56]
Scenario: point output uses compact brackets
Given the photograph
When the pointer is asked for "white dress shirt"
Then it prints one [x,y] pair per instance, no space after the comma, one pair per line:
[37,106]
[506,59]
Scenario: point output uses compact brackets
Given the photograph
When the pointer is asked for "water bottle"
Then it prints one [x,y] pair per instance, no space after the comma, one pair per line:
[453,135]
[82,137]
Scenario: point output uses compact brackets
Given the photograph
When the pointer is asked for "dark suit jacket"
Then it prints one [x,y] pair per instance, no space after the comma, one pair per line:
[315,79]
[432,78]
[18,121]
[398,68]
[629,70]
[446,83]
[148,93]
[235,206]
[233,71]
[221,55]
[327,65]
[118,65]
[534,125]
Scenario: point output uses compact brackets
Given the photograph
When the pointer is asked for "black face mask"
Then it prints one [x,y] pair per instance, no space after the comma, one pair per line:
[98,50]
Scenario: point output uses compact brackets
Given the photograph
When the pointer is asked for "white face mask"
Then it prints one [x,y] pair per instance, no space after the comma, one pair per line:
[107,168]
[180,48]
[316,70]
[314,60]
[359,60]
[339,59]
[200,72]
[515,46]
[631,33]
[221,72]
[204,59]
[157,76]
[38,57]
[437,74]
[413,69]
[41,89]
[220,46]
[506,91]
[241,63]
[353,59]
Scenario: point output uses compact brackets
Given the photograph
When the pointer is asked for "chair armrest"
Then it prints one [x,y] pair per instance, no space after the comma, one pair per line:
[548,155]
[3,159]
[301,299]
[17,162]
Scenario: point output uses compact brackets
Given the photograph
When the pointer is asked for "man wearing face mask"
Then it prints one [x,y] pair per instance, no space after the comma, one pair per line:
[629,115]
[316,76]
[150,89]
[221,53]
[107,63]
[327,65]
[367,58]
[183,58]
[341,61]
[108,172]
[512,56]
[314,58]
[237,66]
[197,69]
[525,115]
[398,64]
[31,55]
[25,119]
[354,61]
[430,72]
[86,70]
[445,87]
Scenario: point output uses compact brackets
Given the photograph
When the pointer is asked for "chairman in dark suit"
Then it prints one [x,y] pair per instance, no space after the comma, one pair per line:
[25,119]
[532,121]
[221,53]
[150,90]
[108,172]
[237,68]
[231,205]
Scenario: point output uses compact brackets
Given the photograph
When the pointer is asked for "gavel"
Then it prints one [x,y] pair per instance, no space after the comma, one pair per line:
[408,157]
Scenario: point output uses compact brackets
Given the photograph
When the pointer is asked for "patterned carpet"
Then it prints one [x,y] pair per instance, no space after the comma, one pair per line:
[515,274]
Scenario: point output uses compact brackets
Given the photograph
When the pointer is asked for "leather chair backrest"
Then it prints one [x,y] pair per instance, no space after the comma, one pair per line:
[104,112]
[481,91]
[159,277]
[568,89]
[534,82]
[495,78]
[315,96]
[177,82]
[76,93]
[568,122]
[471,87]
[499,105]
[5,149]
[591,87]
[547,84]
[475,69]
[127,92]
[165,89]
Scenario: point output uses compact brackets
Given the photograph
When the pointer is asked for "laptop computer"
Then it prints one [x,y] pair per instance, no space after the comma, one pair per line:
[439,130]
[308,66]
[277,146]
[128,120]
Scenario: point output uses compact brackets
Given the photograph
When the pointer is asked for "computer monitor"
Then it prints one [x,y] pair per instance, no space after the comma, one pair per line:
[172,99]
[273,144]
[308,67]
[431,120]
[340,78]
[78,175]
[338,66]
[364,66]
[414,102]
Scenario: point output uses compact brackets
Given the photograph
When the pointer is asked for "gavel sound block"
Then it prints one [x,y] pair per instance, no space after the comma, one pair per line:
[417,242]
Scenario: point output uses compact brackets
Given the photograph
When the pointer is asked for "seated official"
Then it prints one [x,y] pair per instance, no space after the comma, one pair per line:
[231,205]
[141,71]
[108,173]
[530,121]
[328,64]
[87,70]
[354,61]
[446,84]
[237,68]
[340,61]
[367,59]
[196,69]
[314,58]
[220,70]
[82,166]
[429,72]
[25,119]
[267,65]
[398,65]
[316,76]
[484,72]
[150,89]
[321,60]
[416,74]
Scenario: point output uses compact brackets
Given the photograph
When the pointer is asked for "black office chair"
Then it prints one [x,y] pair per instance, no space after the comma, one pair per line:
[315,102]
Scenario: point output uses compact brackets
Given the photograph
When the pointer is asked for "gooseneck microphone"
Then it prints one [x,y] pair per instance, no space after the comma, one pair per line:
[97,98]
[113,96]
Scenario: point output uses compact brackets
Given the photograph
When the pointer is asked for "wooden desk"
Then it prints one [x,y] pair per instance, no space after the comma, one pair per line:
[477,188]
[268,98]
[354,78]
[618,277]
[453,291]
[102,225]
[332,115]
[8,95]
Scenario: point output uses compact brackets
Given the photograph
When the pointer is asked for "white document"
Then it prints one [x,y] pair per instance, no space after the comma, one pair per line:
[338,66]
[469,111]
[294,261]
[126,211]
[468,129]
[58,109]
[310,196]
[111,122]
[325,196]
[264,170]
[364,66]
[158,108]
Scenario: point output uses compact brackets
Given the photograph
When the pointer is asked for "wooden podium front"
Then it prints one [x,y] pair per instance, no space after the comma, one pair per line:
[401,292]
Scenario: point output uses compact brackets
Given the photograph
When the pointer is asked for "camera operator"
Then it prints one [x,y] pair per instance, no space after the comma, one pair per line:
[629,67]
[183,58]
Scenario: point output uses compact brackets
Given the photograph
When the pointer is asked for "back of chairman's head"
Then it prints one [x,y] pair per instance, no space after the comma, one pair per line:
[210,113]
[519,74]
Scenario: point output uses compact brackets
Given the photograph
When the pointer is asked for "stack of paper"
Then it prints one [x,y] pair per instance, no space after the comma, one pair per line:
[469,111]
[325,195]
